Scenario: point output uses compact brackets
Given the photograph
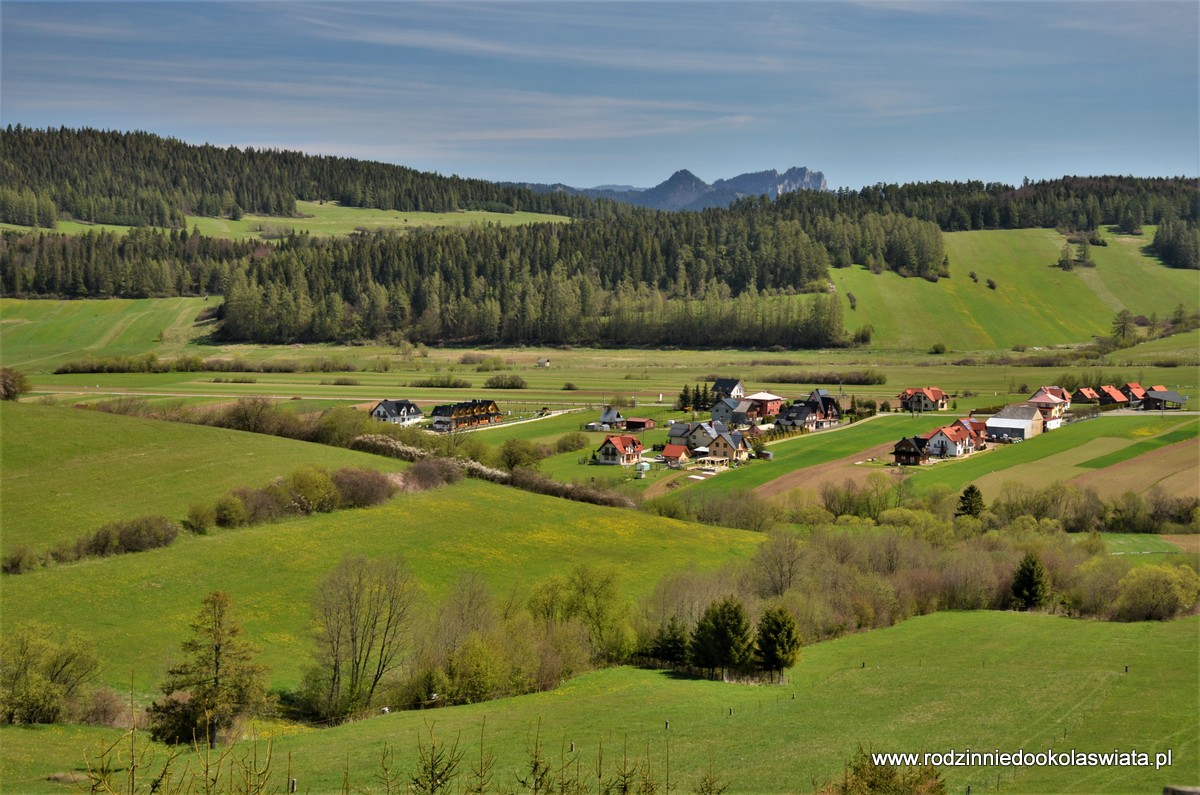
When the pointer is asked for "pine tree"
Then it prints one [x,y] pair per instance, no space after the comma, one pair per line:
[970,503]
[722,637]
[778,640]
[218,674]
[1030,588]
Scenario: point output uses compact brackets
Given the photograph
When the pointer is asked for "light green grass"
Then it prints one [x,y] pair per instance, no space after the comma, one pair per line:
[1034,459]
[68,471]
[137,607]
[327,219]
[1034,303]
[949,681]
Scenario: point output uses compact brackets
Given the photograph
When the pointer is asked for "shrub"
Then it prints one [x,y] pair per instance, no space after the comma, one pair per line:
[313,490]
[200,518]
[570,387]
[505,382]
[429,473]
[1156,592]
[13,383]
[991,283]
[569,443]
[19,561]
[230,511]
[937,348]
[135,535]
[359,488]
[441,381]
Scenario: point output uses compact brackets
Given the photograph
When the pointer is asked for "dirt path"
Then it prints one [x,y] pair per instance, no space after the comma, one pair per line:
[835,472]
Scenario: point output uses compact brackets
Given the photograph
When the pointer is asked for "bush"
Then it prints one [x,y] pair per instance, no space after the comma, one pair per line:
[13,383]
[441,381]
[569,443]
[1156,592]
[19,561]
[429,473]
[135,535]
[200,518]
[937,348]
[359,488]
[313,490]
[505,382]
[570,387]
[230,511]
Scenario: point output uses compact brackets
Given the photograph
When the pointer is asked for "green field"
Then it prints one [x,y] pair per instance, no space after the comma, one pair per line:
[137,607]
[949,681]
[1033,304]
[67,471]
[328,219]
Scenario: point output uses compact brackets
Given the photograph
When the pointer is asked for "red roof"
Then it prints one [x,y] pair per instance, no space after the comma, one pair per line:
[1135,390]
[1088,393]
[674,451]
[626,444]
[934,394]
[1114,393]
[1158,388]
[1058,392]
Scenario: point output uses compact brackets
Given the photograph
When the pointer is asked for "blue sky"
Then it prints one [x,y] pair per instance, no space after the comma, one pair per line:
[599,92]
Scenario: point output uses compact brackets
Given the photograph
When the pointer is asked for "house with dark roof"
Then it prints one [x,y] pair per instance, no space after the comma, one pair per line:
[910,451]
[730,446]
[619,450]
[1162,400]
[397,412]
[467,414]
[1111,396]
[732,411]
[926,398]
[728,388]
[611,418]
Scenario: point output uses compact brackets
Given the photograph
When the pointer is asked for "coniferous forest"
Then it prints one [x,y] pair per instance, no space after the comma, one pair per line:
[754,274]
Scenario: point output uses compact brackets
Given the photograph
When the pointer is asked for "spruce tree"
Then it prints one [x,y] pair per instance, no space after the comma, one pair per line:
[778,640]
[970,503]
[1030,588]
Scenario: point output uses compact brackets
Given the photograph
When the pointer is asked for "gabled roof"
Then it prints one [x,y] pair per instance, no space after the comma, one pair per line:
[732,403]
[610,414]
[955,433]
[1166,395]
[734,440]
[1017,411]
[1045,398]
[726,385]
[744,406]
[1087,393]
[1113,393]
[1135,390]
[1157,388]
[397,408]
[675,451]
[910,443]
[626,444]
[934,394]
[763,396]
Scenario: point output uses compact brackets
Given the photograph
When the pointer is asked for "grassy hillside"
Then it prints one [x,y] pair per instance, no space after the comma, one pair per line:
[67,471]
[1034,303]
[137,607]
[949,681]
[328,219]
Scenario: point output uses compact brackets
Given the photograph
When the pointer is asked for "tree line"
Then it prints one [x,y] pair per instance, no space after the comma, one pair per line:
[141,179]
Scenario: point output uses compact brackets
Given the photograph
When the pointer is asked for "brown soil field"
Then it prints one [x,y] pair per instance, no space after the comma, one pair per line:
[1186,543]
[835,472]
[1174,468]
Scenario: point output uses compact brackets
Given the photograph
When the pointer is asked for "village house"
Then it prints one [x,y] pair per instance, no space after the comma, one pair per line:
[732,411]
[397,412]
[768,405]
[1111,396]
[729,446]
[467,414]
[1054,392]
[1085,394]
[910,451]
[1135,392]
[693,435]
[639,424]
[1160,399]
[728,388]
[1052,408]
[1018,421]
[611,419]
[620,450]
[676,456]
[950,441]
[977,429]
[543,363]
[816,412]
[928,398]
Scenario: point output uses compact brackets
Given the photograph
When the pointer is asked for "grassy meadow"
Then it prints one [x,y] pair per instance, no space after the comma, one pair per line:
[934,683]
[327,219]
[948,681]
[137,607]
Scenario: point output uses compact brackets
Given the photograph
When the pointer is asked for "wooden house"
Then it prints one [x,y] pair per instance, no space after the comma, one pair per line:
[910,451]
[468,414]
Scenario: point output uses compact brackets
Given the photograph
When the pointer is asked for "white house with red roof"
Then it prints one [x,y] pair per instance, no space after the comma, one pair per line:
[950,441]
[926,398]
[621,450]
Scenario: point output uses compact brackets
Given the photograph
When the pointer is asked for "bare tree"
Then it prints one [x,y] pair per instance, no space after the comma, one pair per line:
[362,612]
[776,565]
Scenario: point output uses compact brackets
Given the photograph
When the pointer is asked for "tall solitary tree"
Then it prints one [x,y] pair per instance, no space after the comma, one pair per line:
[722,637]
[1030,588]
[217,680]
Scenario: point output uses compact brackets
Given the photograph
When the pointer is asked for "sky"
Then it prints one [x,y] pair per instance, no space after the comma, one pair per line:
[586,92]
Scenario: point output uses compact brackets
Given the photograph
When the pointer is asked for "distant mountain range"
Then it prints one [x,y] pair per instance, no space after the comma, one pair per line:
[685,191]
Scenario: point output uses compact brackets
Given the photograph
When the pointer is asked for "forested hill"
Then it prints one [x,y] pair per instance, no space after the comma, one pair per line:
[140,179]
